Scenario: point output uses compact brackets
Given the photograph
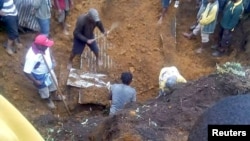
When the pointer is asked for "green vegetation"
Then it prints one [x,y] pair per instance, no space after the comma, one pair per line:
[232,68]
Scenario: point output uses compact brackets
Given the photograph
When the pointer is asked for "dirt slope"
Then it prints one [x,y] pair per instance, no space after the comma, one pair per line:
[170,117]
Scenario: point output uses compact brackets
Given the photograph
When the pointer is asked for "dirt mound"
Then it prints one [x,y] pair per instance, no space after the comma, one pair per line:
[171,117]
[233,110]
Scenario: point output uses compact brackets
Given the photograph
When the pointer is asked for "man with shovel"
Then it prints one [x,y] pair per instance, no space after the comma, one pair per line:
[83,34]
[38,67]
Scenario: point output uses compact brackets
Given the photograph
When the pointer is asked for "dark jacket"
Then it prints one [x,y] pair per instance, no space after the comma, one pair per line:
[84,28]
[231,15]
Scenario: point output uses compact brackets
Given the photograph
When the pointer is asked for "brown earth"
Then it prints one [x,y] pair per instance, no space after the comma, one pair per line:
[137,46]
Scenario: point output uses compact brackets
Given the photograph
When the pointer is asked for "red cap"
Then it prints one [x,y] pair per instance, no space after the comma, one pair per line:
[43,40]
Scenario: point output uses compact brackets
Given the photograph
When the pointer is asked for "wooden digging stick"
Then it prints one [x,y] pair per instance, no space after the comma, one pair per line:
[113,26]
[55,82]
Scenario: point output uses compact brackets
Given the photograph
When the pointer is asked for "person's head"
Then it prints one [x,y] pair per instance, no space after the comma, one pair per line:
[42,42]
[171,81]
[126,78]
[93,14]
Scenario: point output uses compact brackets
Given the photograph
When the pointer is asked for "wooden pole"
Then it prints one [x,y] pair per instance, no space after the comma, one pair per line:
[55,82]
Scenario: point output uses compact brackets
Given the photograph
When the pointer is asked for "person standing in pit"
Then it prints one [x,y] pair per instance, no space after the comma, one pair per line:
[121,94]
[83,35]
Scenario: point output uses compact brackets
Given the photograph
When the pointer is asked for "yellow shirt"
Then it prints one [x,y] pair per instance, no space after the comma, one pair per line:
[208,16]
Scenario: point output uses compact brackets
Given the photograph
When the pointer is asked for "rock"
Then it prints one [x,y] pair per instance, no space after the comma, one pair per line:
[3,74]
[156,49]
[143,50]
[131,69]
[149,53]
[132,113]
[129,26]
[132,44]
[78,7]
[16,89]
[122,52]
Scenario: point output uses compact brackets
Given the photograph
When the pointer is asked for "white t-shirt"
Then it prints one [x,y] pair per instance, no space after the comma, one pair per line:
[169,72]
[32,59]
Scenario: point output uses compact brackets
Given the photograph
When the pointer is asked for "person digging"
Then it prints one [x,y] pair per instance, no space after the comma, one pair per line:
[83,35]
[38,67]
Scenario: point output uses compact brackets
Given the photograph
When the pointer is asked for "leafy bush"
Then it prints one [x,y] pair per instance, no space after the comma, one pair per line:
[231,67]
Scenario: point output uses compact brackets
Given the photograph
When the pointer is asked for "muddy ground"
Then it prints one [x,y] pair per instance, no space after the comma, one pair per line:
[138,45]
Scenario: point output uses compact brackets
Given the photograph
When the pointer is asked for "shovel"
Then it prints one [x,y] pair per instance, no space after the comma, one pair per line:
[56,83]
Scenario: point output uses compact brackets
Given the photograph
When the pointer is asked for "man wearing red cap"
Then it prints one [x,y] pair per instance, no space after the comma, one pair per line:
[38,67]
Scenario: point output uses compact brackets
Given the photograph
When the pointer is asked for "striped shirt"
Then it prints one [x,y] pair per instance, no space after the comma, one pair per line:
[9,8]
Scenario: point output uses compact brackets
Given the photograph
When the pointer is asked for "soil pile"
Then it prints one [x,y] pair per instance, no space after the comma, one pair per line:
[143,47]
[169,117]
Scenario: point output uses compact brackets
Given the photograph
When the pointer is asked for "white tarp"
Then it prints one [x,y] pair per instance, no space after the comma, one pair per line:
[80,79]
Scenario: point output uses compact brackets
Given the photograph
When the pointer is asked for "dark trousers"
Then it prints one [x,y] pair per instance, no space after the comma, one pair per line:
[11,23]
[225,39]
